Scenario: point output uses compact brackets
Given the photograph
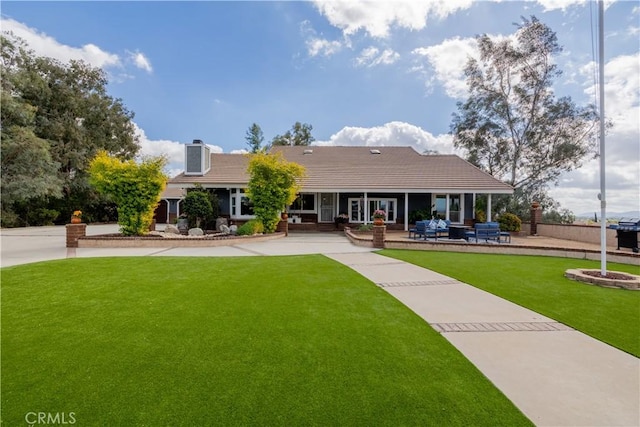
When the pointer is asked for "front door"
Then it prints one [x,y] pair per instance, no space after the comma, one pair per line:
[327,207]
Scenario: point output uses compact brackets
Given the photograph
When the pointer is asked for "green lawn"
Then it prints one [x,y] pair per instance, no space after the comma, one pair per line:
[538,283]
[233,341]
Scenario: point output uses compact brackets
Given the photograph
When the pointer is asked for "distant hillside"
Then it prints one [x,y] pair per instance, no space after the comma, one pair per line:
[611,215]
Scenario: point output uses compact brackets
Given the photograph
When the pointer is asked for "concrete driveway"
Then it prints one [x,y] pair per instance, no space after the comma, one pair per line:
[34,244]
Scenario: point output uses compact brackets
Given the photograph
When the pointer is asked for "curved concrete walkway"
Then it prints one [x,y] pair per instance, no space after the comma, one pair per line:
[554,374]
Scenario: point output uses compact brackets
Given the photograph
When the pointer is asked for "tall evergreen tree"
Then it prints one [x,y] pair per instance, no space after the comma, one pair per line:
[254,138]
[300,134]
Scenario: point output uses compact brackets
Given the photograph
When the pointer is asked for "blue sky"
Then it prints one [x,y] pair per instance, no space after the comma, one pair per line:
[377,73]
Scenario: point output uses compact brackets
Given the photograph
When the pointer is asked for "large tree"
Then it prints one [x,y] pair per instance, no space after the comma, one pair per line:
[254,138]
[72,117]
[299,134]
[512,125]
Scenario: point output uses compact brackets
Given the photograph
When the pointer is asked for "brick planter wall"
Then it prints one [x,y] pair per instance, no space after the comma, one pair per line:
[379,234]
[283,227]
[74,232]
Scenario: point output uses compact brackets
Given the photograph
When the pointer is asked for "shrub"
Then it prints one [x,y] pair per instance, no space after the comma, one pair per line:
[135,188]
[366,227]
[273,185]
[197,206]
[42,216]
[481,216]
[250,228]
[419,215]
[509,222]
[564,216]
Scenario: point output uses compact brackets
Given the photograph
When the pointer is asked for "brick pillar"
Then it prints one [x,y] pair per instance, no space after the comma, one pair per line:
[283,227]
[379,234]
[74,231]
[536,217]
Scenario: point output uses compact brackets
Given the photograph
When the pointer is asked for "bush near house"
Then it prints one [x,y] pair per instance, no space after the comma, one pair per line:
[509,222]
[250,228]
[197,206]
[273,185]
[135,188]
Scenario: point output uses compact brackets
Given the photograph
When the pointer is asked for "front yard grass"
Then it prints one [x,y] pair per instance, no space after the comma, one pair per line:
[296,340]
[538,283]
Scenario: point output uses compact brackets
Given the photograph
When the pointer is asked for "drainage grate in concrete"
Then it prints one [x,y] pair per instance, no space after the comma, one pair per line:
[418,283]
[501,327]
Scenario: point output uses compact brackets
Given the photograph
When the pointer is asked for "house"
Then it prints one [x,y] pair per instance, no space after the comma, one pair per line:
[344,180]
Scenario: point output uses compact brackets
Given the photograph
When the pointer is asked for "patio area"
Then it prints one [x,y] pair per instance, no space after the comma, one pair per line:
[520,245]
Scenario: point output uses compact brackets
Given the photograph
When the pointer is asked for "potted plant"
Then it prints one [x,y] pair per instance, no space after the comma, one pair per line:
[379,216]
[340,220]
[76,217]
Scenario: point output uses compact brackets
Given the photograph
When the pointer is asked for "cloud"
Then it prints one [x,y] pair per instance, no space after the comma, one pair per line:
[448,60]
[392,134]
[44,45]
[141,61]
[551,5]
[377,18]
[579,189]
[372,56]
[173,150]
[47,46]
[317,46]
[622,104]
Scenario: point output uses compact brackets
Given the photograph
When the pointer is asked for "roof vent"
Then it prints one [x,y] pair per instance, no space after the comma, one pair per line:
[308,151]
[374,151]
[197,141]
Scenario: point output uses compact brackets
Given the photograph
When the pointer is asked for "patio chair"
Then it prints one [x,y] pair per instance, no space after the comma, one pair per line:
[419,230]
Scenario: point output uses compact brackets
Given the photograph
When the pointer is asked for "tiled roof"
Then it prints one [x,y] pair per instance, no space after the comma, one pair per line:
[226,170]
[172,193]
[343,169]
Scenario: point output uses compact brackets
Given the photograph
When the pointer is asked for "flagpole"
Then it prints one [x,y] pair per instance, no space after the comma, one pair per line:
[603,199]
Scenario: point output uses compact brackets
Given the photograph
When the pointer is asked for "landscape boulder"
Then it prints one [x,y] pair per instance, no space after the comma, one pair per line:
[196,232]
[171,229]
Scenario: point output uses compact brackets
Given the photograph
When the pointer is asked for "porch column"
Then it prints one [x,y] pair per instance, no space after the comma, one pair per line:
[406,211]
[337,204]
[366,208]
[473,214]
[489,207]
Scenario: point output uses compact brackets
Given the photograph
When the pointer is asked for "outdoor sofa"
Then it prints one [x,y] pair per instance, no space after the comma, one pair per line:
[488,231]
[430,228]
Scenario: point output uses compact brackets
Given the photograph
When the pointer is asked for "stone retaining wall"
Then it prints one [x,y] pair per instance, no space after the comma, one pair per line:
[575,232]
[161,242]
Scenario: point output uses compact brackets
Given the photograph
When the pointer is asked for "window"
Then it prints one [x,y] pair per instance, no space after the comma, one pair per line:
[448,206]
[454,207]
[356,209]
[306,202]
[241,206]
